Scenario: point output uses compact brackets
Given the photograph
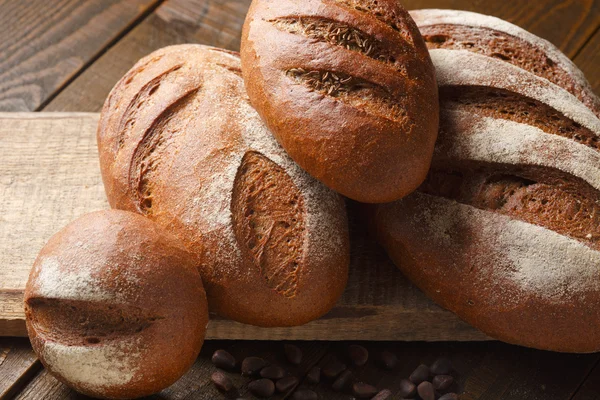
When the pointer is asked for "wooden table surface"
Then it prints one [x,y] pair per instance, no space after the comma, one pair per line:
[65,55]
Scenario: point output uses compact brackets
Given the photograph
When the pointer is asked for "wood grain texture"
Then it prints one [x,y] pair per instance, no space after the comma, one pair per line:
[45,43]
[18,363]
[483,371]
[212,22]
[50,175]
[568,24]
[588,59]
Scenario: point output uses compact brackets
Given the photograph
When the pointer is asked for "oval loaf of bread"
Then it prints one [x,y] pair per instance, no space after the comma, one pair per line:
[181,144]
[493,37]
[505,232]
[347,87]
[115,306]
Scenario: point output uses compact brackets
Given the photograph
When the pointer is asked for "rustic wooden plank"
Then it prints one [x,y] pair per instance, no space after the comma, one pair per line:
[45,43]
[590,385]
[484,371]
[212,22]
[567,23]
[50,175]
[18,363]
[588,60]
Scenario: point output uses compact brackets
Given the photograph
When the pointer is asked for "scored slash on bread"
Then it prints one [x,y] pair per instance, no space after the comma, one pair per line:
[499,39]
[180,143]
[348,89]
[505,231]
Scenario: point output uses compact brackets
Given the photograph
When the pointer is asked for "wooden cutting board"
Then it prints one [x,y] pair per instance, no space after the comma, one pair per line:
[49,175]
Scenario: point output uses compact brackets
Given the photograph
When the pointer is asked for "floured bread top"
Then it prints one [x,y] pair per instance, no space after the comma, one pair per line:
[181,144]
[501,40]
[515,144]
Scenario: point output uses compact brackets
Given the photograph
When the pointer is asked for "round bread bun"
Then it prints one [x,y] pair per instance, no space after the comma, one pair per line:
[115,306]
[348,89]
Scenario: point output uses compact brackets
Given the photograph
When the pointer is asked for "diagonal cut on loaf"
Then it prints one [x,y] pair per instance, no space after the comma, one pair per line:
[505,231]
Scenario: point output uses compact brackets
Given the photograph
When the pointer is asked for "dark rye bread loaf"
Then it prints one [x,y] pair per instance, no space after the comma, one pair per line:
[180,143]
[115,306]
[348,89]
[505,232]
[493,37]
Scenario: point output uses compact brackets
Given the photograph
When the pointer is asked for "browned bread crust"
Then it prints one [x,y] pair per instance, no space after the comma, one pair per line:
[115,306]
[493,37]
[348,89]
[180,143]
[505,232]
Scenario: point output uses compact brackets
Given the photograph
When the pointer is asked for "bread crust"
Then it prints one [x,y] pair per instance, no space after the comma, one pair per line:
[505,232]
[115,306]
[348,89]
[271,242]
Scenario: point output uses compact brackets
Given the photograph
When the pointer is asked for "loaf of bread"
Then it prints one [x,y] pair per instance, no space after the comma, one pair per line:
[348,89]
[180,143]
[505,232]
[493,37]
[115,306]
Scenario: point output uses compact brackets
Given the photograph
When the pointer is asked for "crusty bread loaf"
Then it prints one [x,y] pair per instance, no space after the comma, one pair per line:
[493,37]
[505,232]
[180,143]
[347,87]
[115,306]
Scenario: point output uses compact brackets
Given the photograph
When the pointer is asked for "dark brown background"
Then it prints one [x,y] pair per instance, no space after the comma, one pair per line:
[65,55]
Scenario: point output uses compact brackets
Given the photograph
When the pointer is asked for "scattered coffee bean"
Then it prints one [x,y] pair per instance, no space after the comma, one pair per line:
[383,395]
[426,391]
[314,375]
[420,374]
[293,354]
[262,388]
[304,394]
[342,381]
[358,354]
[449,396]
[441,366]
[251,366]
[388,360]
[222,359]
[333,368]
[221,381]
[272,372]
[364,390]
[284,385]
[407,389]
[442,382]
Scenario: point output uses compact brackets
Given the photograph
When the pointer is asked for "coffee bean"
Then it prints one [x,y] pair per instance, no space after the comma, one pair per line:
[383,395]
[221,381]
[293,354]
[251,366]
[420,374]
[262,388]
[407,389]
[441,366]
[364,390]
[314,375]
[388,360]
[284,385]
[442,382]
[222,359]
[358,354]
[449,396]
[304,394]
[333,368]
[342,381]
[272,372]
[426,391]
